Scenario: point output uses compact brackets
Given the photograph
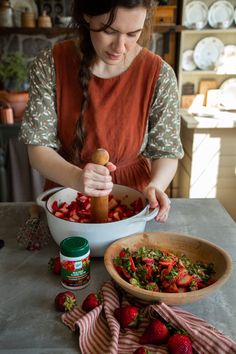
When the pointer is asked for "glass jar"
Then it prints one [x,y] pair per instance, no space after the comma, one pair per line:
[6,14]
[75,262]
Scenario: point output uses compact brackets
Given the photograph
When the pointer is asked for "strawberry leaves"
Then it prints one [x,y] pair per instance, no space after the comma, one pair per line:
[65,301]
[162,271]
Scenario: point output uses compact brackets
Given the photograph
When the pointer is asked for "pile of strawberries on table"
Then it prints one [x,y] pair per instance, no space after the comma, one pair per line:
[158,332]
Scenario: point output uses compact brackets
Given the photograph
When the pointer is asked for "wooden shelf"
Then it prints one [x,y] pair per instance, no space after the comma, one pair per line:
[208,30]
[53,31]
[167,27]
[205,72]
[56,31]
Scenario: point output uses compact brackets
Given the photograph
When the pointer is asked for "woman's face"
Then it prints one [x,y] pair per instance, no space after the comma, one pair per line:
[121,37]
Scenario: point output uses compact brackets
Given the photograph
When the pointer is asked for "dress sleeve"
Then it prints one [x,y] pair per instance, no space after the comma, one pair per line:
[162,138]
[39,124]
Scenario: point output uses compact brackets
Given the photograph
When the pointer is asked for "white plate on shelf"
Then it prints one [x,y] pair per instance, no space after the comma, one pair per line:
[221,14]
[19,6]
[196,15]
[188,63]
[228,94]
[207,53]
[227,61]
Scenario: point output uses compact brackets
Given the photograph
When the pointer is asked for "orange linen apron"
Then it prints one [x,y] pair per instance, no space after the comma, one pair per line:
[116,116]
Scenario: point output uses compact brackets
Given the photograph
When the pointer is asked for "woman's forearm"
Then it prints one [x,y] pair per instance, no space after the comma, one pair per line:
[53,167]
[163,171]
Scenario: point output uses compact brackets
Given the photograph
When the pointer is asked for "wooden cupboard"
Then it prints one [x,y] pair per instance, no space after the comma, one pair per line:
[208,169]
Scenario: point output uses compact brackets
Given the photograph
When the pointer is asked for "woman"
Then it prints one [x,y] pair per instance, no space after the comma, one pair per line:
[105,90]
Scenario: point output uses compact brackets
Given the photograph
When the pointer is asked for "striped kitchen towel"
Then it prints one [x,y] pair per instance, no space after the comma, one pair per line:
[100,333]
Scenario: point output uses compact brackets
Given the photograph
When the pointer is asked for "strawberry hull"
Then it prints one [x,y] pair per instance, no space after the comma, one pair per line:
[100,235]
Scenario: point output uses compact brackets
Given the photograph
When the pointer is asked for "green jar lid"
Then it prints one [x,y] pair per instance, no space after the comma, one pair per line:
[74,246]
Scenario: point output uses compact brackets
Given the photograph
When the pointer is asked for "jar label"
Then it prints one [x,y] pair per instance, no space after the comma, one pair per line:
[75,273]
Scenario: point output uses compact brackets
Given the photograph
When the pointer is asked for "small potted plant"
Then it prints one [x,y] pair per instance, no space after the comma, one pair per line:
[13,75]
[13,72]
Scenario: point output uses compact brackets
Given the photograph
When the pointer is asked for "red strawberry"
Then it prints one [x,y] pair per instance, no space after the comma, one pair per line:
[152,286]
[148,268]
[122,253]
[125,274]
[180,344]
[148,260]
[184,279]
[167,262]
[54,265]
[65,301]
[141,350]
[112,203]
[128,316]
[172,288]
[90,302]
[59,214]
[132,265]
[137,205]
[54,206]
[155,333]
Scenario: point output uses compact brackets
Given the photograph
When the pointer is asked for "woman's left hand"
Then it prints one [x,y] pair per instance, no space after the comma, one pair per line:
[158,198]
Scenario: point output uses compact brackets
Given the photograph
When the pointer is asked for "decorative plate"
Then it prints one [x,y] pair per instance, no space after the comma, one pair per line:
[228,94]
[19,6]
[196,15]
[221,14]
[207,53]
[227,61]
[188,63]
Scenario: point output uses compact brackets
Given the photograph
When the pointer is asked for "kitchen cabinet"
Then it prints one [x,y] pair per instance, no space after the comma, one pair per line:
[18,180]
[208,169]
[189,39]
[7,131]
[165,31]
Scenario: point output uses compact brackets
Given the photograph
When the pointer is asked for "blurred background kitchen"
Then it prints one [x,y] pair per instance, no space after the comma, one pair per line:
[197,38]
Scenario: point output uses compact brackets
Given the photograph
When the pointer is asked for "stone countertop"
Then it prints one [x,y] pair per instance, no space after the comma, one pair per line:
[29,323]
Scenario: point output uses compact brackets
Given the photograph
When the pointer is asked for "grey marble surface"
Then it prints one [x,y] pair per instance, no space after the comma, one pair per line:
[29,323]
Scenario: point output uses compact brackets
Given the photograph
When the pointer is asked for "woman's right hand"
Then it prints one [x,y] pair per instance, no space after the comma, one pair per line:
[95,180]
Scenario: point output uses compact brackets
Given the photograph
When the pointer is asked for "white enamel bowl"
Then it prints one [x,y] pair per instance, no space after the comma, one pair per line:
[100,235]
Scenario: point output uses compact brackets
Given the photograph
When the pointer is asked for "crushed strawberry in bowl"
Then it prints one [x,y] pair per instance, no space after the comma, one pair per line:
[163,271]
[174,268]
[68,214]
[79,210]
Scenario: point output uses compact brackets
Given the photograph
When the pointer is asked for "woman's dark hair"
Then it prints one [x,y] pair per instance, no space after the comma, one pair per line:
[87,52]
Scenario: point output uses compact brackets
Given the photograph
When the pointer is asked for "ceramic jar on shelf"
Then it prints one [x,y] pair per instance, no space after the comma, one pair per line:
[44,21]
[28,19]
[6,14]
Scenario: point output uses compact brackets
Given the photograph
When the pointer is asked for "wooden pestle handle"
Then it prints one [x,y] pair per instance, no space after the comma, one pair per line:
[99,205]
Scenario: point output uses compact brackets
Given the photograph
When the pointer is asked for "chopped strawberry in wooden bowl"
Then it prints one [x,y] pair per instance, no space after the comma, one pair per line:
[173,268]
[69,214]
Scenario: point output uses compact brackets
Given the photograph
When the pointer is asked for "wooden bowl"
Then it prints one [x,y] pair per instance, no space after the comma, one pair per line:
[195,248]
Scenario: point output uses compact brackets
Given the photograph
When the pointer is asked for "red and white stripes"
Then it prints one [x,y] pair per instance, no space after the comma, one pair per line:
[100,333]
